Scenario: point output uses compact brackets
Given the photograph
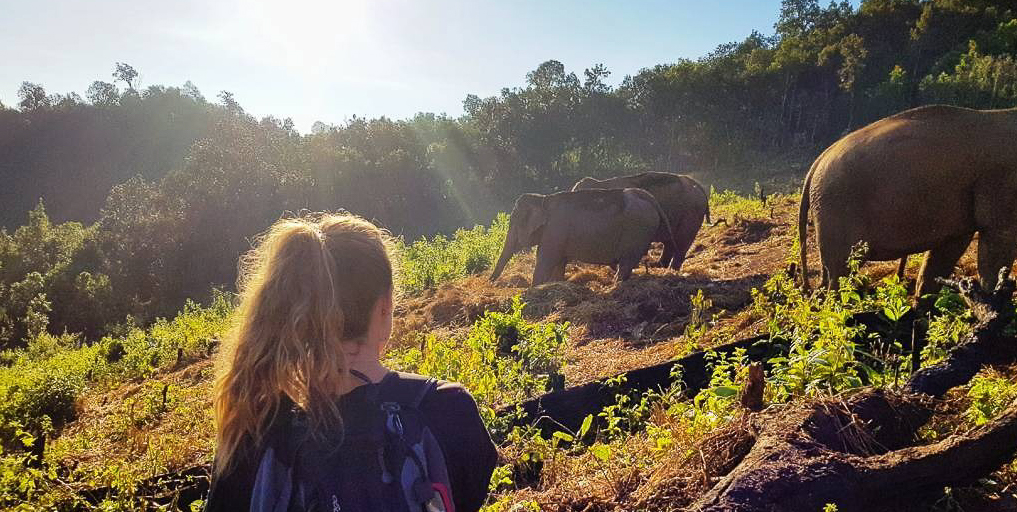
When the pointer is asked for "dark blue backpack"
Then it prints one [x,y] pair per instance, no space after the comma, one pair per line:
[385,458]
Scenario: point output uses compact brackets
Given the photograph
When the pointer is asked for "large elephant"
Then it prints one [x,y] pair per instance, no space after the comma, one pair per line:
[593,226]
[925,179]
[682,199]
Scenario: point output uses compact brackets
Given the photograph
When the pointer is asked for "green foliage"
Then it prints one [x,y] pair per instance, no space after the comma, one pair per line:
[821,350]
[25,485]
[502,360]
[40,387]
[947,328]
[698,324]
[712,407]
[978,80]
[428,263]
[822,356]
[42,283]
[990,395]
[730,203]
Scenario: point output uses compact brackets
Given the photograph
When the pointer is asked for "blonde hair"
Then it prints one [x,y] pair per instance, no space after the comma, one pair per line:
[309,284]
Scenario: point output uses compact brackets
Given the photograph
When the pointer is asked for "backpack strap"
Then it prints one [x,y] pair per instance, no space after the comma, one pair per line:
[358,374]
[405,389]
[397,392]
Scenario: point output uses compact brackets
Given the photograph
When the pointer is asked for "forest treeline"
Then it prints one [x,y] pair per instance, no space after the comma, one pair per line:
[149,194]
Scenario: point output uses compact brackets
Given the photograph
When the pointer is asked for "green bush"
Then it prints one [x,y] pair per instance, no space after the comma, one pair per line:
[428,263]
[38,395]
[40,387]
[821,354]
[990,395]
[495,376]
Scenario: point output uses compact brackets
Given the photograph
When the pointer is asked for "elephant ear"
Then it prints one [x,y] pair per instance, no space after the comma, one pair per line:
[534,208]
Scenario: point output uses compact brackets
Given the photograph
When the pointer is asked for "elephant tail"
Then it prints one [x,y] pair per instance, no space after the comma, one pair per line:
[803,231]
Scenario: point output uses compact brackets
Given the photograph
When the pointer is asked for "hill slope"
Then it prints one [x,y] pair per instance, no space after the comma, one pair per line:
[160,422]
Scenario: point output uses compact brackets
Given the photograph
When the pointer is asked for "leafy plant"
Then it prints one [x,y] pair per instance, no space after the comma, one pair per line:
[428,263]
[495,376]
[990,395]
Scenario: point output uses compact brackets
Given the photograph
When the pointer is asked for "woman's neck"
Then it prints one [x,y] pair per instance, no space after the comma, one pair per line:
[369,367]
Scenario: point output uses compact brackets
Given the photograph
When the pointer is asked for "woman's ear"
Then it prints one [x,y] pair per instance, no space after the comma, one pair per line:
[381,322]
[385,304]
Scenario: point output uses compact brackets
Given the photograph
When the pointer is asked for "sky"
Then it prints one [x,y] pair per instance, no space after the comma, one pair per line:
[329,60]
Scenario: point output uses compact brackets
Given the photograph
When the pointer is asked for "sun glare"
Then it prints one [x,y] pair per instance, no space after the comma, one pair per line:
[308,34]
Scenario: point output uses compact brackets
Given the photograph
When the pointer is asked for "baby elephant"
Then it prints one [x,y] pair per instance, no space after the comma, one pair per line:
[607,227]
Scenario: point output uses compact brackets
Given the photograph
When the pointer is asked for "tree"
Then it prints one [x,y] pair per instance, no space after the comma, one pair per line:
[852,53]
[33,97]
[192,91]
[319,128]
[797,18]
[230,103]
[103,94]
[595,76]
[127,74]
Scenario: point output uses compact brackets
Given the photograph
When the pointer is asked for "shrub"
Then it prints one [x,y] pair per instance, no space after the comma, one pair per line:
[428,263]
[40,388]
[494,377]
[990,395]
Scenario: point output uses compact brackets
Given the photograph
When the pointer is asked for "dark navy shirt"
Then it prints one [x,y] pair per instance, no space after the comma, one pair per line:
[451,415]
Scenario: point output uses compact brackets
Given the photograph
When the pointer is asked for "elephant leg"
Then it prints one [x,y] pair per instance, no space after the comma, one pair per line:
[684,236]
[626,264]
[939,262]
[996,249]
[834,255]
[901,267]
[549,266]
[624,272]
[666,255]
[558,271]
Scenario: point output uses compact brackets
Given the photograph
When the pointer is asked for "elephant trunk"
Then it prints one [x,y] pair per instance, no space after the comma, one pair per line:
[506,254]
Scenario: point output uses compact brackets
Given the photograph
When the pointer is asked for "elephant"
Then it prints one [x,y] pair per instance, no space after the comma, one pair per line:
[680,196]
[609,227]
[926,179]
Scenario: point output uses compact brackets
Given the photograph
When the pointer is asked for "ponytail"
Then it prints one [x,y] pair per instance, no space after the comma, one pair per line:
[308,286]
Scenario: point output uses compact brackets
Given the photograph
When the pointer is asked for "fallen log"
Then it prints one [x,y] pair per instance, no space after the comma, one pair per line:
[570,406]
[860,453]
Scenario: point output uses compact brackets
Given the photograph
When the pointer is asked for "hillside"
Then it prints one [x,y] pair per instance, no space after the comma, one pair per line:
[153,416]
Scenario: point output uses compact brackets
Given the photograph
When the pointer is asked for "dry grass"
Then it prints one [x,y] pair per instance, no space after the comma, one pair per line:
[126,431]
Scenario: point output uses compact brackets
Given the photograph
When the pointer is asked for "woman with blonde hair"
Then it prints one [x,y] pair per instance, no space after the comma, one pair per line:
[307,416]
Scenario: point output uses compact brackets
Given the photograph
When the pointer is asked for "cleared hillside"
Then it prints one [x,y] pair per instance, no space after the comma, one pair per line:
[130,427]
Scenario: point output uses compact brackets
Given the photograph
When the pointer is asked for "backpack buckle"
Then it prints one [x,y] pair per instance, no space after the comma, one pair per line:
[393,423]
